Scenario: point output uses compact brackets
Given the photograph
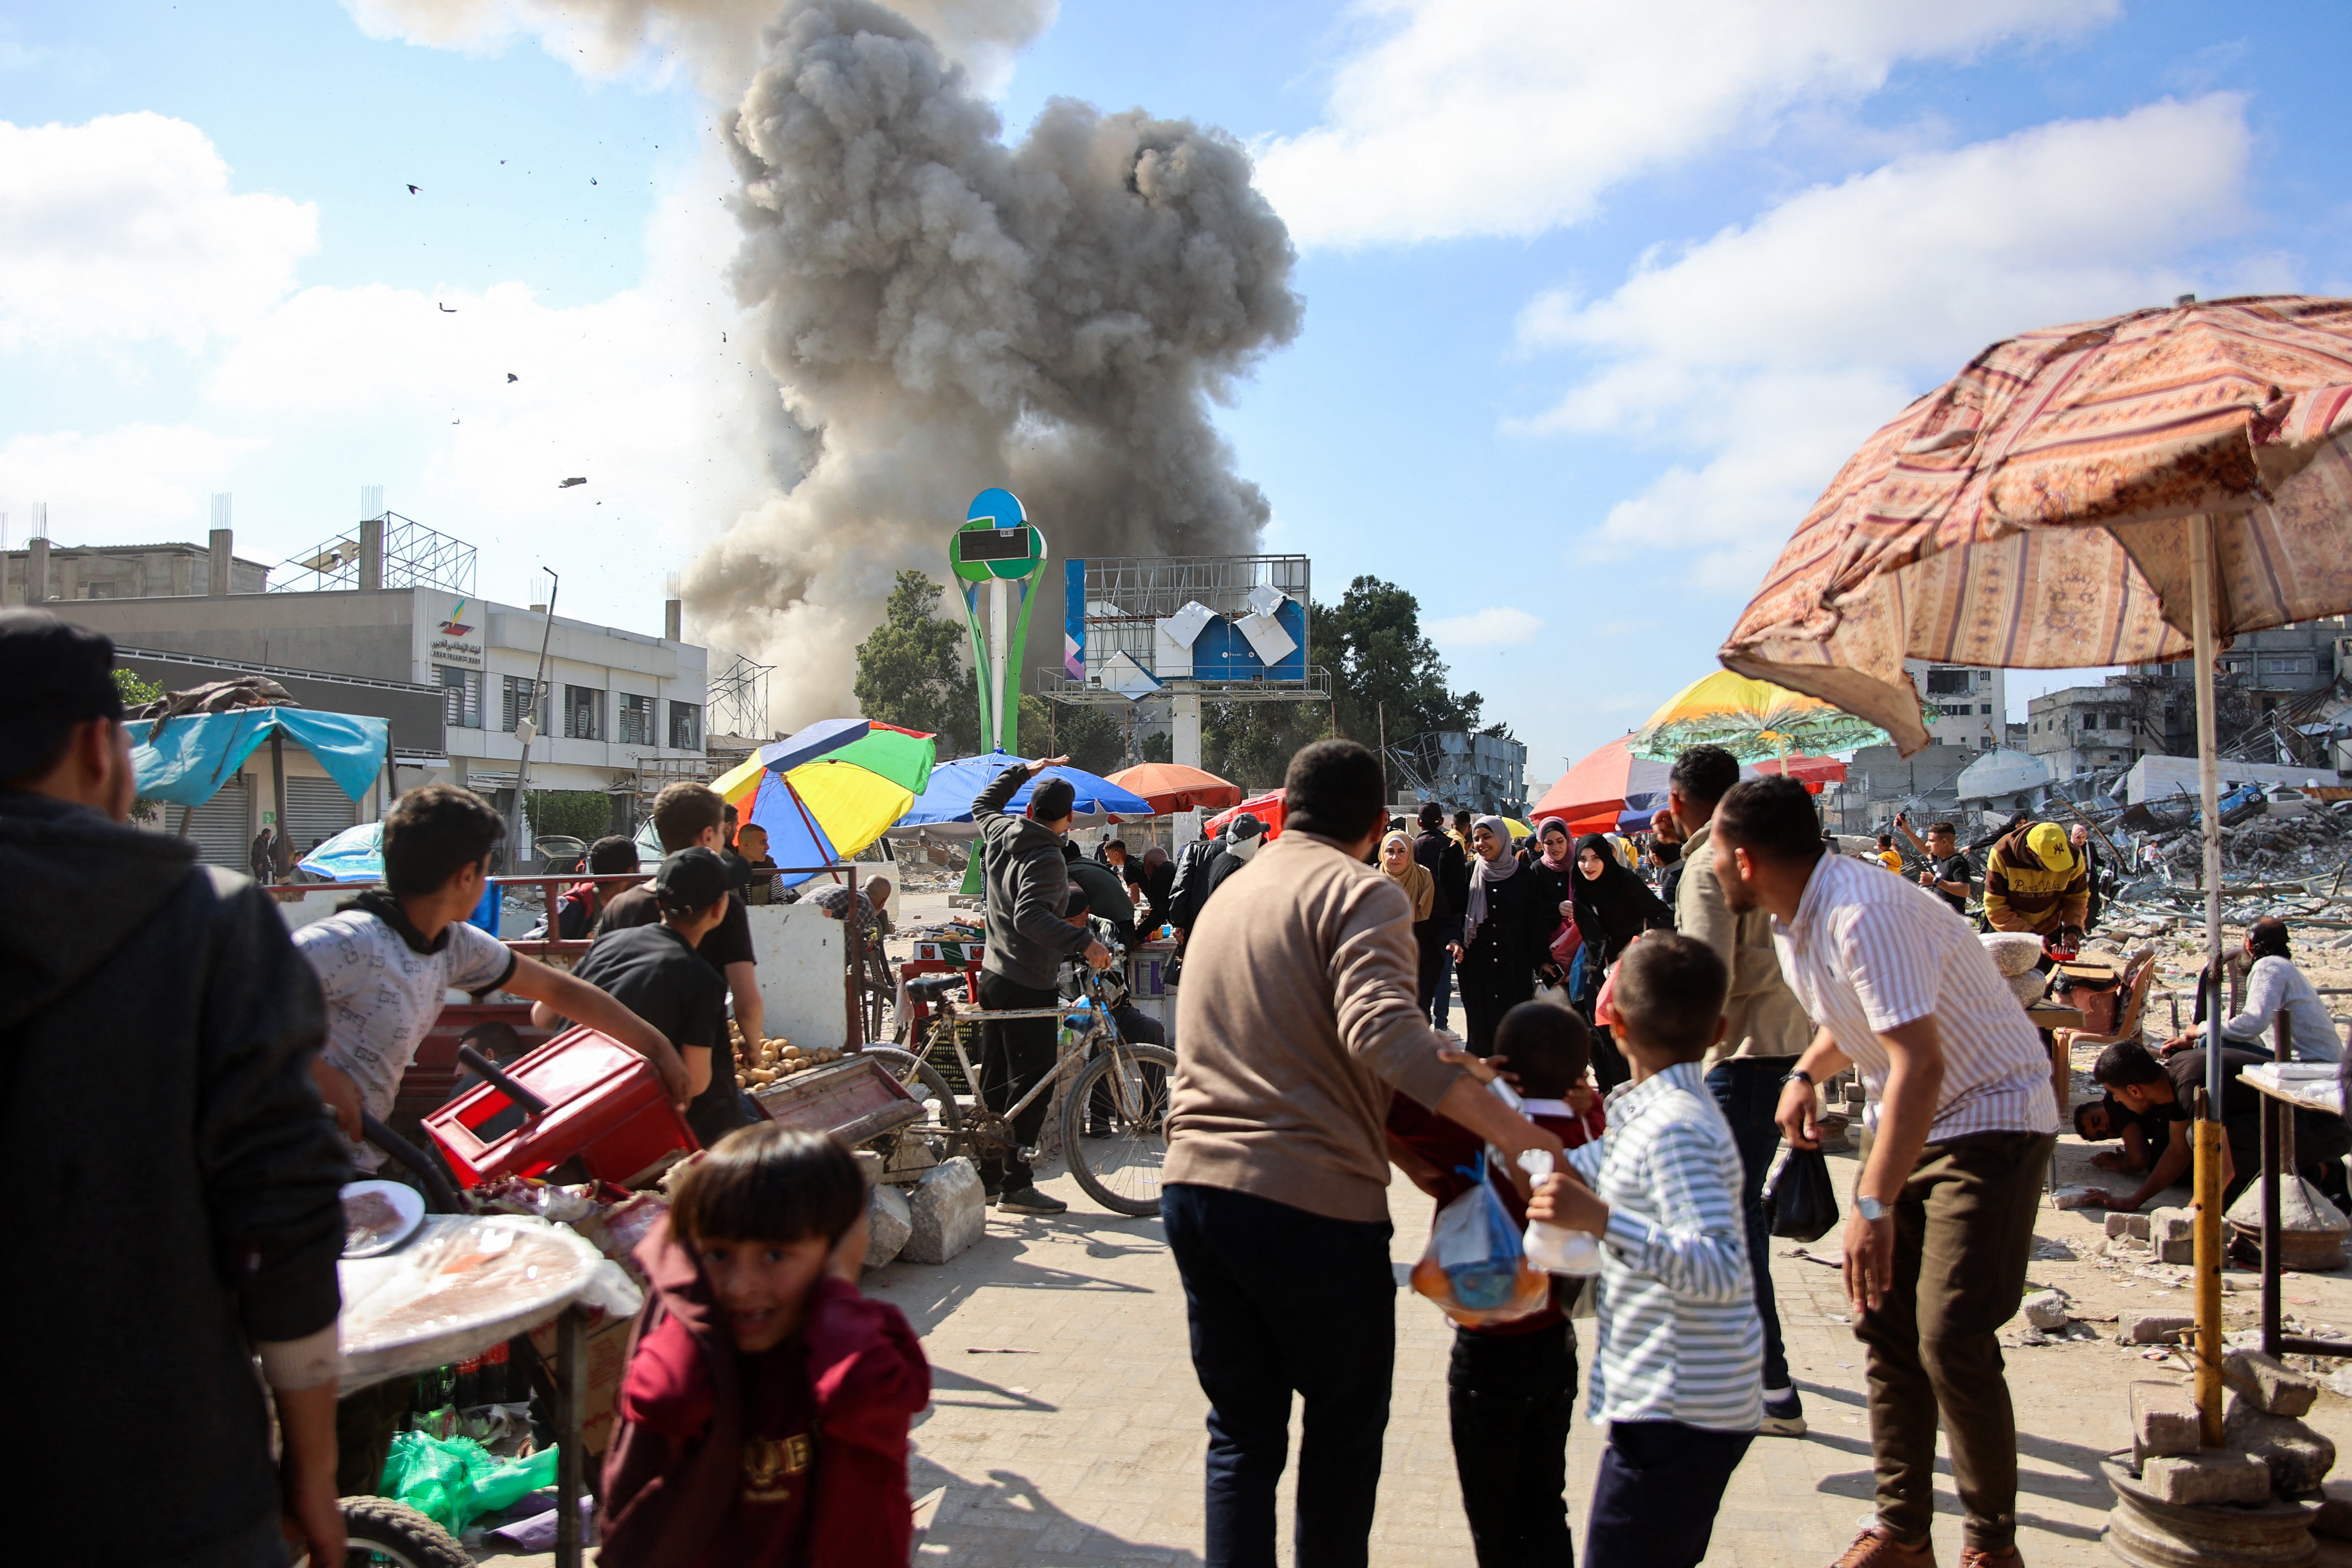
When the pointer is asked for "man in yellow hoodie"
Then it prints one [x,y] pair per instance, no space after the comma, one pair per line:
[2036,881]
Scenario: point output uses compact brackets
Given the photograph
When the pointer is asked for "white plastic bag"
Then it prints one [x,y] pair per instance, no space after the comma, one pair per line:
[1555,1248]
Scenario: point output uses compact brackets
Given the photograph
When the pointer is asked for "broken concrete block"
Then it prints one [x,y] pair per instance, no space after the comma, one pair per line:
[2125,1248]
[2216,1476]
[2134,1226]
[2154,1327]
[888,1223]
[2164,1422]
[2297,1456]
[2046,1309]
[2335,1517]
[946,1213]
[2273,1387]
[2173,1234]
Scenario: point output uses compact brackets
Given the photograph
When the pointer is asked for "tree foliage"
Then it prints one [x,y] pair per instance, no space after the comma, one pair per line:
[135,688]
[582,814]
[1093,735]
[912,670]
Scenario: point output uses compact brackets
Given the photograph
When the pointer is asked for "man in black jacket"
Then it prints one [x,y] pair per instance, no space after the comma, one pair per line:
[1443,858]
[1028,883]
[174,1174]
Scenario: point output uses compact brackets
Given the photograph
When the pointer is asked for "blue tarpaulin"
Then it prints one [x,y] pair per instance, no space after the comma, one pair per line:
[199,752]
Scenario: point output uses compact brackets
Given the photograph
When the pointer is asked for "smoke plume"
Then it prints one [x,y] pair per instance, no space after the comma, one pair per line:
[943,312]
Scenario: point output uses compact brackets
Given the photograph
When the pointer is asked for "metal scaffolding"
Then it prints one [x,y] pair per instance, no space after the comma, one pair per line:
[414,556]
[1127,597]
[739,698]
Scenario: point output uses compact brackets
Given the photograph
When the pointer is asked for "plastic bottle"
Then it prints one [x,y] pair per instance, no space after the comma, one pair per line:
[1554,1249]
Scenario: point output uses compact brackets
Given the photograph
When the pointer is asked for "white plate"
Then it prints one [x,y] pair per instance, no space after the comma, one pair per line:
[406,1202]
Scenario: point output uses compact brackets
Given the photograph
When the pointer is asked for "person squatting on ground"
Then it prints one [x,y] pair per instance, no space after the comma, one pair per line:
[1677,1375]
[1613,907]
[1942,1218]
[1028,883]
[172,1180]
[1765,1031]
[2274,983]
[763,1413]
[1298,1020]
[1510,1388]
[2164,1090]
[1505,934]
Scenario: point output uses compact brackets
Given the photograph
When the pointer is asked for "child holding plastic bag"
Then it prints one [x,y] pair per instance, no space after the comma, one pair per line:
[763,1413]
[1511,1384]
[1678,1374]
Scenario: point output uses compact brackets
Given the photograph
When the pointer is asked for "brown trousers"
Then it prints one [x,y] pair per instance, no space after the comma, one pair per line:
[1963,1233]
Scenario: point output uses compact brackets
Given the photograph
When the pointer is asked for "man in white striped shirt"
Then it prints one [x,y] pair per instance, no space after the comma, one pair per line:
[1942,1220]
[1677,1380]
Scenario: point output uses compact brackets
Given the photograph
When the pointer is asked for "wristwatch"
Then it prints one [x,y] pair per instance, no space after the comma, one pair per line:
[1870,1209]
[1798,1076]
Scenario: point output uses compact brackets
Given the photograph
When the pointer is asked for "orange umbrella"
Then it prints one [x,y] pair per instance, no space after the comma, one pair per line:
[1172,787]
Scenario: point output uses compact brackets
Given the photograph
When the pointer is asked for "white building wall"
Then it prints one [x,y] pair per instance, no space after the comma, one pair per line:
[1976,717]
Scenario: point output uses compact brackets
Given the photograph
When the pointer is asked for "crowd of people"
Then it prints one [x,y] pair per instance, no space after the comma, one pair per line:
[1657,1048]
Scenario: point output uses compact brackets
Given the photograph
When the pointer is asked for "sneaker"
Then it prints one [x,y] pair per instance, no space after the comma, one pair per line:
[1029,1200]
[1978,1557]
[1874,1549]
[1783,1417]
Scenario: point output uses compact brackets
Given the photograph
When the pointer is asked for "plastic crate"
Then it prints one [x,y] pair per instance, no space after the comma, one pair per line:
[606,1108]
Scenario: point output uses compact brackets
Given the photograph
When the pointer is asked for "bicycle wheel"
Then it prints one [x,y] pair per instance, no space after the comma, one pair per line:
[1120,1170]
[943,1130]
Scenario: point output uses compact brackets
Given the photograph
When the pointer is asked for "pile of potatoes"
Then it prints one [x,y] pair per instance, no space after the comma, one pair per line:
[774,1060]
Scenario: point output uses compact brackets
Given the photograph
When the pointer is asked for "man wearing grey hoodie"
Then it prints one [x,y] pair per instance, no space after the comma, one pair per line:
[1026,881]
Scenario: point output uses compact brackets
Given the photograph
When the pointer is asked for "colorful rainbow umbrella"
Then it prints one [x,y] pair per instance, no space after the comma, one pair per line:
[828,791]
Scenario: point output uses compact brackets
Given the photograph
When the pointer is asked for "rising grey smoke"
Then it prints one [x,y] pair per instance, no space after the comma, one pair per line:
[943,312]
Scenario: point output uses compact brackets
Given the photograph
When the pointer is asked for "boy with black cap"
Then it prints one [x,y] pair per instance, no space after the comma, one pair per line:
[174,1183]
[655,972]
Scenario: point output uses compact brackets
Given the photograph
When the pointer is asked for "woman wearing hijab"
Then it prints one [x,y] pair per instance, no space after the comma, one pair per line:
[1554,870]
[1429,939]
[1505,934]
[1614,906]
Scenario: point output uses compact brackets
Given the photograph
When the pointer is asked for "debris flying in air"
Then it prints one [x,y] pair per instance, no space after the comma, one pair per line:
[447,309]
[1056,322]
[412,190]
[567,484]
[511,376]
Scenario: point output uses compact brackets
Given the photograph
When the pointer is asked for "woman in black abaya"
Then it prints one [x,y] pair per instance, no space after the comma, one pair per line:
[1614,906]
[1505,934]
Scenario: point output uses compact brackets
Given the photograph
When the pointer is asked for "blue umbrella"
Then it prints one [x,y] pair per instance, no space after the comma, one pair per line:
[355,855]
[954,783]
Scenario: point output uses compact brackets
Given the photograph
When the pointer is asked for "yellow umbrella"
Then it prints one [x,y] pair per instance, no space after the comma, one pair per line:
[1752,719]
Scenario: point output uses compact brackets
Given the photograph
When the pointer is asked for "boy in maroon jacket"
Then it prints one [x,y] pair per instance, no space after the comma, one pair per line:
[1511,1388]
[763,1415]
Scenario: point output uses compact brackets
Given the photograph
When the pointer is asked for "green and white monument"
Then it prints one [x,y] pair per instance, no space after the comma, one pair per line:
[998,556]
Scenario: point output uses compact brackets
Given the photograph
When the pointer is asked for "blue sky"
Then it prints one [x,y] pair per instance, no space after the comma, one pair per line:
[1596,301]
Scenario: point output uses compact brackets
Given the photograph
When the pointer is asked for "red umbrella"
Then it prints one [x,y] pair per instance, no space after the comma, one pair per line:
[1607,781]
[1172,787]
[1266,808]
[1811,771]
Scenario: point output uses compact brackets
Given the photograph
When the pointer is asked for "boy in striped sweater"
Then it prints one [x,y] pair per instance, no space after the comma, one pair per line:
[1678,1377]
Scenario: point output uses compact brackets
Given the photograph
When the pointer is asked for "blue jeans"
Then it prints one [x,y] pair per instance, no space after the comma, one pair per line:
[1441,994]
[1747,1088]
[1278,1300]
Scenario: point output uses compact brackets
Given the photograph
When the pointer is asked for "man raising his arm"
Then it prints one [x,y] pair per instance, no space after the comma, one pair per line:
[1942,1223]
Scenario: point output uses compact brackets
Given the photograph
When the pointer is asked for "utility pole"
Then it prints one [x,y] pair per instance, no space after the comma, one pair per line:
[1383,709]
[526,730]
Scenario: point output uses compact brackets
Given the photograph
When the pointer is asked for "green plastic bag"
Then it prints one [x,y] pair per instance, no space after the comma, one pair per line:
[454,1481]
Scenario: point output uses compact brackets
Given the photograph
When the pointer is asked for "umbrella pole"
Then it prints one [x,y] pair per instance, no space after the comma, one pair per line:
[2207,1128]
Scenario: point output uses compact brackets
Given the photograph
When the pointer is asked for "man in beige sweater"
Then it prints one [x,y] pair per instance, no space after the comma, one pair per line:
[1765,1031]
[1298,1019]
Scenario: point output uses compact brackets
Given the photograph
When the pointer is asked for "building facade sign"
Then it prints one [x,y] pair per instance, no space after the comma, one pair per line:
[457,638]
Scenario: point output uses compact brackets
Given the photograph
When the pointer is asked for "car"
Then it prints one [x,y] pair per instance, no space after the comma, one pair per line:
[560,852]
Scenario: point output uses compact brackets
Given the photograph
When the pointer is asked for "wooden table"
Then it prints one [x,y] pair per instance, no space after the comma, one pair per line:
[2281,1097]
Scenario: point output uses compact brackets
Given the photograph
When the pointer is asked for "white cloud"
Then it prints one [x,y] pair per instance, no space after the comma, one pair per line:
[132,484]
[1766,353]
[1511,117]
[718,39]
[124,228]
[1498,627]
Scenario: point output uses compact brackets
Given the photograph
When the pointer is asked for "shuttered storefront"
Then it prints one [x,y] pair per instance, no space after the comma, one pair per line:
[315,810]
[220,826]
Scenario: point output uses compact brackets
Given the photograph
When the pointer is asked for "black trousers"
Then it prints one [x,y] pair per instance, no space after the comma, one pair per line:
[1281,1299]
[1654,1497]
[1509,1397]
[1430,978]
[1013,1056]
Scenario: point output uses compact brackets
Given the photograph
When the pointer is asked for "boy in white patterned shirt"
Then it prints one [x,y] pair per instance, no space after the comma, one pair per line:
[1678,1377]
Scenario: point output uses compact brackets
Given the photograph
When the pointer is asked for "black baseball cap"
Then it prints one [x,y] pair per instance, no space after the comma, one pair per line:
[688,881]
[53,675]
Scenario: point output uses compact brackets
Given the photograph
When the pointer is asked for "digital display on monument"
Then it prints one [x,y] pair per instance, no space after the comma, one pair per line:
[993,543]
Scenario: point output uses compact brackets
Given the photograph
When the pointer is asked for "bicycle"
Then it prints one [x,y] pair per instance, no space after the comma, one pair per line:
[1120,1085]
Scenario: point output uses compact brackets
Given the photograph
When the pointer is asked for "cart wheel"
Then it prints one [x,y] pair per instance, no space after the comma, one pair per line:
[379,1531]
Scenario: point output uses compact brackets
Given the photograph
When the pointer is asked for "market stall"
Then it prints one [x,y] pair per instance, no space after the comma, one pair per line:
[183,761]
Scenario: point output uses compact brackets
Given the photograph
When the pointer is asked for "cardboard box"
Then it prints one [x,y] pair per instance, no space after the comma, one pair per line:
[608,1355]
